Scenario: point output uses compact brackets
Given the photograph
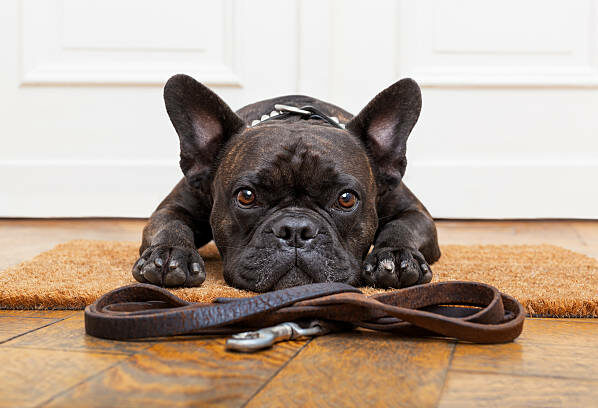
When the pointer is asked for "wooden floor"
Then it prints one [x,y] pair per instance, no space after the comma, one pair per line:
[47,360]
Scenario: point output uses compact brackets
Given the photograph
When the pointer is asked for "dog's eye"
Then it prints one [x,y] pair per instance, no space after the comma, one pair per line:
[347,200]
[245,197]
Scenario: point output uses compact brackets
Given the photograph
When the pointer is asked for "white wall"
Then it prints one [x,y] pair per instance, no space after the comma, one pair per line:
[508,127]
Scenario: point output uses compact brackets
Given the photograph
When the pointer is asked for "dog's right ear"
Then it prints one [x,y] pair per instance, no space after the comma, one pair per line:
[203,121]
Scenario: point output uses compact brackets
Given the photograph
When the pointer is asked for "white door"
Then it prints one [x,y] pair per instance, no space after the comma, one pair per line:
[509,127]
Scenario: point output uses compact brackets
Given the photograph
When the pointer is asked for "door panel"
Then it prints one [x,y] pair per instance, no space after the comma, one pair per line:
[508,127]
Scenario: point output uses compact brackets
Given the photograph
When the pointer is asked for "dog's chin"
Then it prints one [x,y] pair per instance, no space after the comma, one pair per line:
[284,271]
[283,275]
[294,277]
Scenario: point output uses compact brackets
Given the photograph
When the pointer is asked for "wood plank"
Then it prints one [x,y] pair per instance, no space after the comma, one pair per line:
[569,332]
[561,233]
[506,232]
[464,389]
[15,326]
[576,319]
[473,232]
[30,377]
[528,359]
[547,347]
[587,229]
[39,314]
[23,239]
[176,373]
[69,334]
[357,368]
[588,233]
[360,369]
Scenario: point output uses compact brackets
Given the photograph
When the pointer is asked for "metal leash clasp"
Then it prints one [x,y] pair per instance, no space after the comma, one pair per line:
[263,338]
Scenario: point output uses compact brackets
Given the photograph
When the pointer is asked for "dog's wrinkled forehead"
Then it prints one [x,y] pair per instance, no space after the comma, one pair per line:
[297,156]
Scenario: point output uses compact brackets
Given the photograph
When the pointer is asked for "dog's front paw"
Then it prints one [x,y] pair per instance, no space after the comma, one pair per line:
[165,265]
[395,268]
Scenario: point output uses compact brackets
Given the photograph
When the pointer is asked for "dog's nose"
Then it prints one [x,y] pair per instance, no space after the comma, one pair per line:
[295,231]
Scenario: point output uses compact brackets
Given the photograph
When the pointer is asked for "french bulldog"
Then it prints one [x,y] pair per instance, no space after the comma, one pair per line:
[290,201]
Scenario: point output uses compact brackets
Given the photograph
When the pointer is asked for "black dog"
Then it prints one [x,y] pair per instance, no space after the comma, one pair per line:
[290,200]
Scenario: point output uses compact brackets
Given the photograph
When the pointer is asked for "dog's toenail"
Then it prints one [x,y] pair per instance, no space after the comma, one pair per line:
[368,268]
[195,268]
[140,262]
[404,265]
[159,262]
[387,264]
[173,264]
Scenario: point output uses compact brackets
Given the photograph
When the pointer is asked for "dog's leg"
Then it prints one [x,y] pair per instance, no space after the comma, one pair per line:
[181,223]
[168,253]
[405,244]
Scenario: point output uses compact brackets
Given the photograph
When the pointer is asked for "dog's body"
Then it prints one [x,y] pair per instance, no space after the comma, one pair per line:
[290,201]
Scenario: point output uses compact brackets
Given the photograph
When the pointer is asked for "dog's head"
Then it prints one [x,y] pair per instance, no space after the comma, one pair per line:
[293,201]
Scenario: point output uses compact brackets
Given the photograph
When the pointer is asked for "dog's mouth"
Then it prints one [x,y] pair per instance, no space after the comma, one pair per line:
[295,276]
[273,270]
[283,273]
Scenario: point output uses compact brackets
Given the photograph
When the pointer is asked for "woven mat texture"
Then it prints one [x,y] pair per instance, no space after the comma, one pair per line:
[547,279]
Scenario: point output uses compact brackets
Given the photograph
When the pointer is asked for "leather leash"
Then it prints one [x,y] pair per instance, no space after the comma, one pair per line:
[468,311]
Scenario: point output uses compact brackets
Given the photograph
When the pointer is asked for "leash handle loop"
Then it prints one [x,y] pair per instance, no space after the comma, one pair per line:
[468,311]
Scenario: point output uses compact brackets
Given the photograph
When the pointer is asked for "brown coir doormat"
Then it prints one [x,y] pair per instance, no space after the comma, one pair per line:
[548,280]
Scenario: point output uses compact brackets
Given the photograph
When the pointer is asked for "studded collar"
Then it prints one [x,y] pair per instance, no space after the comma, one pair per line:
[306,112]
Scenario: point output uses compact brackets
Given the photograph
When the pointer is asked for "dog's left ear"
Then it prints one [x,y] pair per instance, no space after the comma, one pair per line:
[384,125]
